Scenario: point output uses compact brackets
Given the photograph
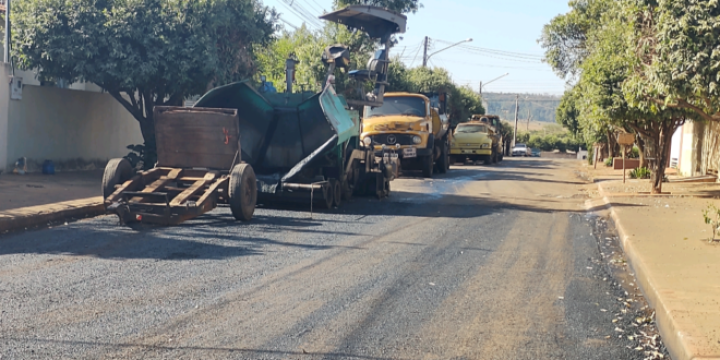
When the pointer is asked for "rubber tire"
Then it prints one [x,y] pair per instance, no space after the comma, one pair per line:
[427,167]
[336,188]
[242,192]
[116,172]
[442,164]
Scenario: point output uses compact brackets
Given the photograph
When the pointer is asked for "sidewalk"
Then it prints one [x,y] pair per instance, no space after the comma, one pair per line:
[35,199]
[666,242]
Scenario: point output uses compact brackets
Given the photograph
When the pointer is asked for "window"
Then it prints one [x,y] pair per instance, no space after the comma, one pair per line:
[471,129]
[408,106]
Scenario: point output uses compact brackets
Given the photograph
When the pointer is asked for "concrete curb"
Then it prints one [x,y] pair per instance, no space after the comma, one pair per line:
[34,216]
[672,331]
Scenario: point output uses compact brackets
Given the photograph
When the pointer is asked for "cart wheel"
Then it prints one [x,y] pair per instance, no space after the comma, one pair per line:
[337,191]
[242,192]
[117,172]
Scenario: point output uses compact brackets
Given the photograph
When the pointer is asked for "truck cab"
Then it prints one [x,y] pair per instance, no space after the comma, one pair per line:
[476,140]
[408,123]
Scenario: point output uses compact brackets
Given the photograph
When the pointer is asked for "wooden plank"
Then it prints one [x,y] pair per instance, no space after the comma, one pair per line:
[212,189]
[195,137]
[180,199]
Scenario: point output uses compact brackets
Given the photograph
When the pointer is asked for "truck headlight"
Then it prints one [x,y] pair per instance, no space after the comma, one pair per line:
[417,139]
[485,146]
[367,141]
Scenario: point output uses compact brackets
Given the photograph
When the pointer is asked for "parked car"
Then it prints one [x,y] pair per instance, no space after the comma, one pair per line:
[521,150]
[535,153]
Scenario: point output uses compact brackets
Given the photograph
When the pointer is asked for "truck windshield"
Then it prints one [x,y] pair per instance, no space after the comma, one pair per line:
[409,106]
[471,129]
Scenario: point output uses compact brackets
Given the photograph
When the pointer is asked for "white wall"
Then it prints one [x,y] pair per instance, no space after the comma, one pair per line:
[4,113]
[65,126]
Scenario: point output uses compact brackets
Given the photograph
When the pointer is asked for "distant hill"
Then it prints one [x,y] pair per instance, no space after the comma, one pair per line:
[542,107]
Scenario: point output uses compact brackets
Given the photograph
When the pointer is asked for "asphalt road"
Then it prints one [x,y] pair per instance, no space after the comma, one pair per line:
[485,262]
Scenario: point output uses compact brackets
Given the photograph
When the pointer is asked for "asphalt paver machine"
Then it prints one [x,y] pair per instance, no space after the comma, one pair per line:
[307,148]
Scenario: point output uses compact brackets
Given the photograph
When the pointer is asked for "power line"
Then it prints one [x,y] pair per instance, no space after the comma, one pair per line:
[416,55]
[498,52]
[300,12]
[493,66]
[288,23]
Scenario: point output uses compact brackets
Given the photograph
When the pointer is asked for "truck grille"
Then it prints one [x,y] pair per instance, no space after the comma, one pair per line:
[392,139]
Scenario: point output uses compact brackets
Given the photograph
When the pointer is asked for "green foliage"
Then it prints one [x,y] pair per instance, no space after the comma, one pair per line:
[591,155]
[565,37]
[711,215]
[634,153]
[640,173]
[541,107]
[615,52]
[679,43]
[608,162]
[567,113]
[142,52]
[551,137]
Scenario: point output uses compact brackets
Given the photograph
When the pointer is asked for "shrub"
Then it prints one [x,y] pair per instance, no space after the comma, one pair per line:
[640,173]
[634,153]
[609,161]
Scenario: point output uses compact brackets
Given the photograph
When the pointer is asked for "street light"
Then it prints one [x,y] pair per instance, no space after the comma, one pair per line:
[495,79]
[426,57]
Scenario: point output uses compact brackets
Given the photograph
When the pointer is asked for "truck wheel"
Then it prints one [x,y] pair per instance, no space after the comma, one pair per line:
[242,192]
[427,166]
[116,172]
[337,191]
[442,164]
[328,197]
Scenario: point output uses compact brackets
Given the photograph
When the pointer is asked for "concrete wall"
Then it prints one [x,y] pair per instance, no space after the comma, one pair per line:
[71,127]
[4,113]
[705,145]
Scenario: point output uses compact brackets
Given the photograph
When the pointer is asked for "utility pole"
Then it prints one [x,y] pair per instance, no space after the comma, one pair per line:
[528,121]
[480,90]
[6,51]
[425,49]
[516,120]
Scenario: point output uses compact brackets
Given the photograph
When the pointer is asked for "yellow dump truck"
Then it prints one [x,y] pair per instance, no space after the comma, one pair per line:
[476,140]
[416,125]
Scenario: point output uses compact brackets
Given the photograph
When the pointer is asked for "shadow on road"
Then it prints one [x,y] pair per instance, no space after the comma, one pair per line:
[217,235]
[198,350]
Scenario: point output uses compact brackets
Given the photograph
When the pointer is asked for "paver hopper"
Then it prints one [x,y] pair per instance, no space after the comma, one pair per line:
[302,146]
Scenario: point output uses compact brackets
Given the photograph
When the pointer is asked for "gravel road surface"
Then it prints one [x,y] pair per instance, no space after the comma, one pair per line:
[484,262]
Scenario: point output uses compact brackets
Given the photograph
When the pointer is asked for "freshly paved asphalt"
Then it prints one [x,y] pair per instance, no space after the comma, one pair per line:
[485,262]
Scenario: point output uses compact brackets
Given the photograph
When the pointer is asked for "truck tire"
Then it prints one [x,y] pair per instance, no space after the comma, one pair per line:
[427,166]
[242,192]
[443,161]
[337,191]
[116,172]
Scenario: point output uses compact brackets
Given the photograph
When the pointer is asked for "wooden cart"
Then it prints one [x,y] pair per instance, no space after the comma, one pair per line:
[198,167]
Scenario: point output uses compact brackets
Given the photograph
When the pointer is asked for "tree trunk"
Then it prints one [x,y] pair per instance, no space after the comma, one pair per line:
[663,137]
[642,150]
[611,144]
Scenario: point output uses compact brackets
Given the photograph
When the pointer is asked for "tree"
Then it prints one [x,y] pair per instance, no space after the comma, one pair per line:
[144,53]
[567,113]
[678,44]
[611,91]
[564,38]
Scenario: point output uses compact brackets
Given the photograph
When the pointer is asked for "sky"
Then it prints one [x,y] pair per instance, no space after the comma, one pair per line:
[504,37]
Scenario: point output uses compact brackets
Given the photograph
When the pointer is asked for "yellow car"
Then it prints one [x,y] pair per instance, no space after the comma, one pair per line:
[473,140]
